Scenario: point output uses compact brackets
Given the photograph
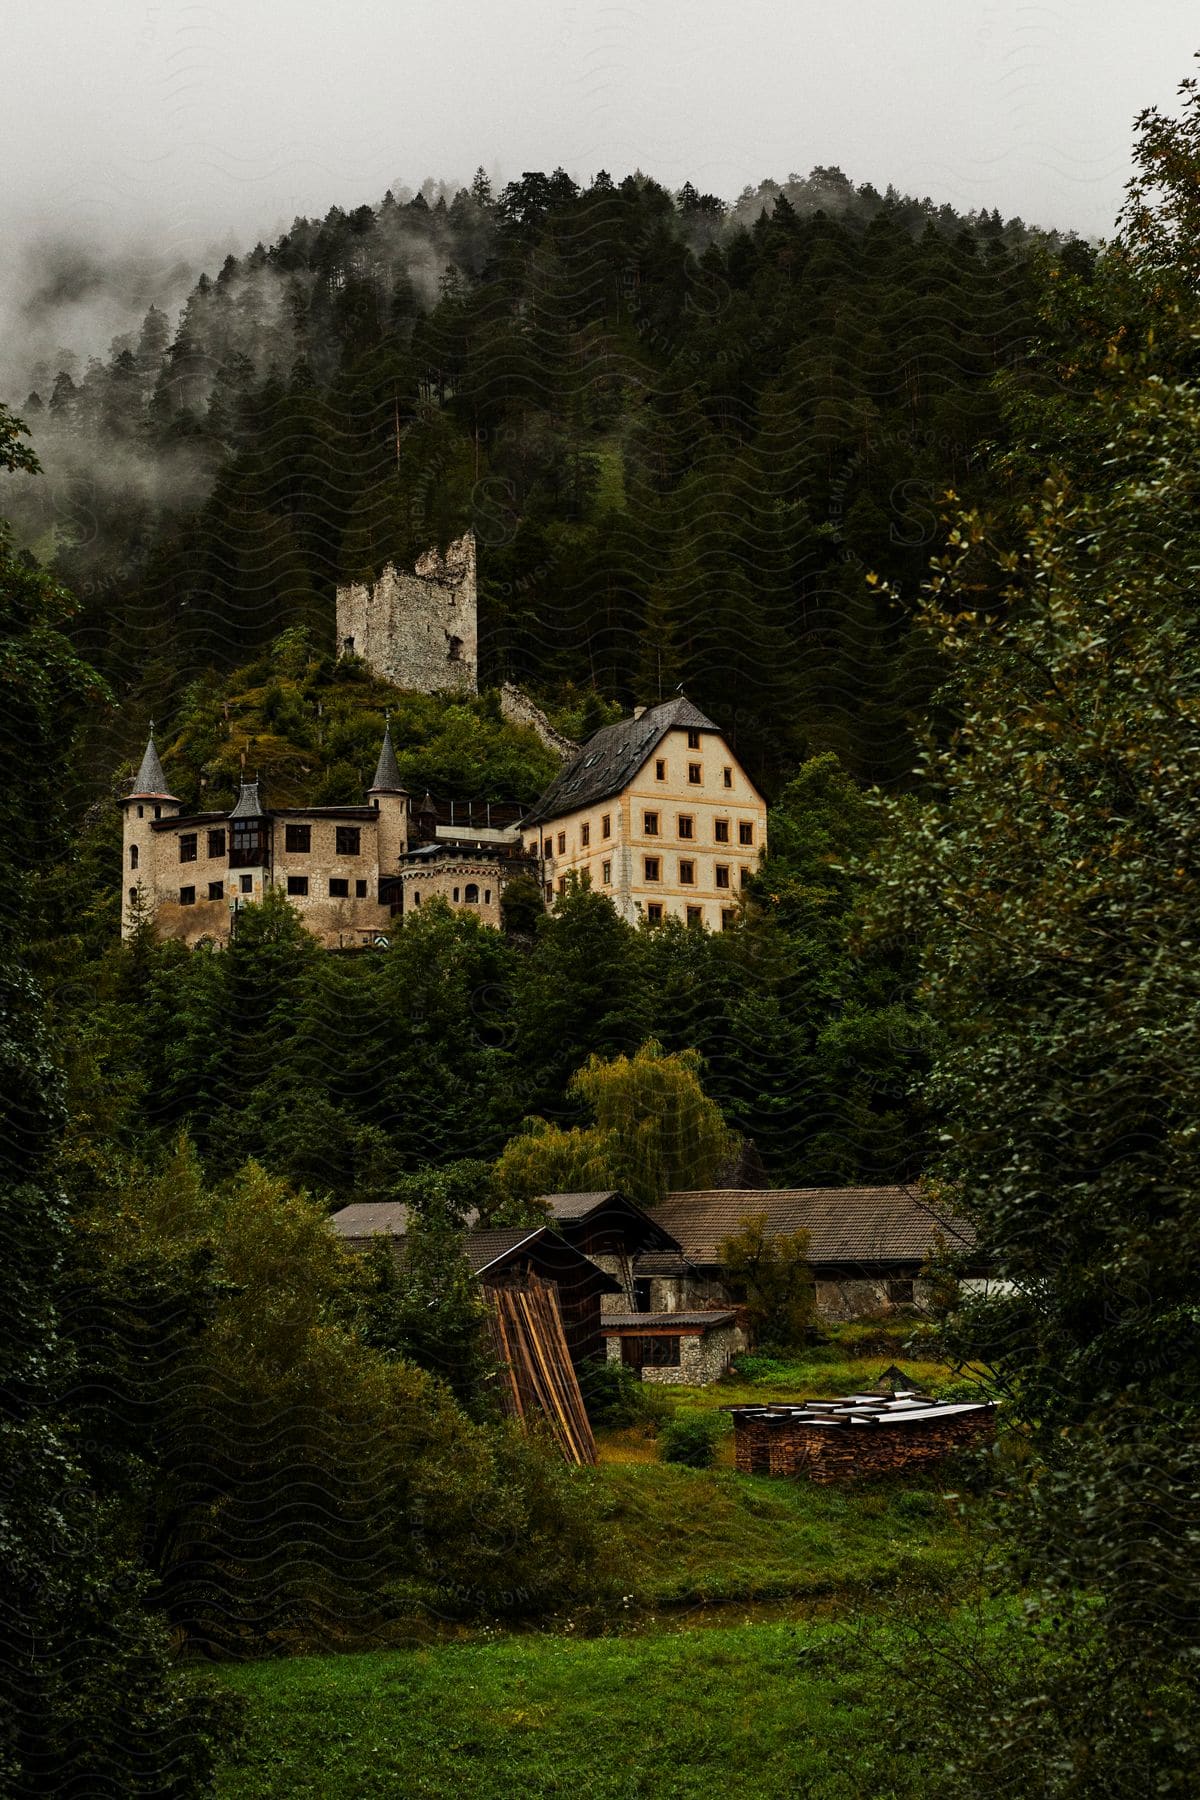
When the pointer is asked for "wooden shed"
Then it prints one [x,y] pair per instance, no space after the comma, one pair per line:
[855,1436]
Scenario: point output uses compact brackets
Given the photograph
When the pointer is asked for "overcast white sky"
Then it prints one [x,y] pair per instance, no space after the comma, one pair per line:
[207,125]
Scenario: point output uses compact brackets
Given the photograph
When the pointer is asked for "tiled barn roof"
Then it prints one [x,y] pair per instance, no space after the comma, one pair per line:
[855,1226]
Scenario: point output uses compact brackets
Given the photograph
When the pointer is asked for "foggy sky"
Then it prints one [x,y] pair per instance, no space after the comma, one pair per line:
[185,129]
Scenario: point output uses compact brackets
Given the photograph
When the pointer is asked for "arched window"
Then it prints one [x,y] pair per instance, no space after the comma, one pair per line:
[416,896]
[472,894]
[133,856]
[141,812]
[133,896]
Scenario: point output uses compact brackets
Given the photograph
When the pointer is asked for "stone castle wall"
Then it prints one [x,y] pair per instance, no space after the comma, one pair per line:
[417,629]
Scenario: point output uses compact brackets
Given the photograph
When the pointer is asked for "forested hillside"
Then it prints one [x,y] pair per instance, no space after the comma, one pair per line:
[682,433]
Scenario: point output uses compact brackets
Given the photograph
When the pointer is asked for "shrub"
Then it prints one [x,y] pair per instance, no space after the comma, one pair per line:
[691,1439]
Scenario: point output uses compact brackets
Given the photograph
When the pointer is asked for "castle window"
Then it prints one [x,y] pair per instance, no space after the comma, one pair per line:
[687,828]
[652,868]
[133,894]
[360,890]
[339,888]
[687,872]
[654,912]
[158,812]
[297,884]
[297,839]
[695,915]
[187,847]
[348,645]
[216,890]
[728,915]
[745,832]
[248,844]
[133,856]
[246,883]
[722,875]
[347,839]
[454,654]
[562,843]
[585,835]
[606,826]
[141,812]
[695,774]
[693,739]
[216,843]
[456,895]
[416,893]
[745,876]
[562,884]
[728,774]
[187,896]
[487,896]
[650,824]
[721,830]
[549,890]
[606,873]
[472,895]
[660,768]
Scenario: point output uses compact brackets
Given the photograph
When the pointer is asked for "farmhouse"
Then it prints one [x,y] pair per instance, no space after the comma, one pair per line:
[867,1247]
[503,1257]
[613,1232]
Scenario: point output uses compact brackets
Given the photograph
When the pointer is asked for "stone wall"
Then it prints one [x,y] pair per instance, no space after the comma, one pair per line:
[417,629]
[703,1357]
[519,709]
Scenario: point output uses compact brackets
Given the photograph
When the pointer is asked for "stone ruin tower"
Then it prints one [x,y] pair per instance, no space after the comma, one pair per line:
[418,630]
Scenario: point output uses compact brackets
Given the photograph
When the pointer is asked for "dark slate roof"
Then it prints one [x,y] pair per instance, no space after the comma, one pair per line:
[376,1218]
[661,1262]
[249,803]
[656,1321]
[487,1247]
[150,782]
[610,759]
[387,769]
[574,1209]
[854,1226]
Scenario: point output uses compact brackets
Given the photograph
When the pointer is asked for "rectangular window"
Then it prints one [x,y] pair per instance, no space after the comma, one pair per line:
[248,848]
[606,826]
[562,843]
[606,873]
[650,1352]
[695,915]
[745,832]
[660,768]
[652,868]
[549,890]
[216,890]
[695,774]
[347,840]
[187,896]
[548,847]
[650,824]
[721,830]
[297,884]
[298,839]
[693,739]
[654,912]
[728,915]
[562,884]
[585,835]
[187,847]
[456,896]
[722,873]
[246,882]
[728,776]
[360,890]
[687,827]
[339,888]
[745,876]
[216,843]
[687,872]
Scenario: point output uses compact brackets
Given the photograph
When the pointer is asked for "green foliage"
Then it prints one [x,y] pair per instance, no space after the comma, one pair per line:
[615,1395]
[428,1308]
[772,1276]
[655,1130]
[690,1439]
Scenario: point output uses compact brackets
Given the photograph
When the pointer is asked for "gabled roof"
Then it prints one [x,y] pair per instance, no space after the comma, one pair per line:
[612,757]
[387,769]
[371,1218]
[576,1209]
[859,1227]
[150,782]
[484,1249]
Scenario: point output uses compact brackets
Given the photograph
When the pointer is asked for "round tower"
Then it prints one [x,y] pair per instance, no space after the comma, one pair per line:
[148,800]
[390,799]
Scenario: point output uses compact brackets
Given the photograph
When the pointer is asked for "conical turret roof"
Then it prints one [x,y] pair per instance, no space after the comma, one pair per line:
[150,782]
[387,769]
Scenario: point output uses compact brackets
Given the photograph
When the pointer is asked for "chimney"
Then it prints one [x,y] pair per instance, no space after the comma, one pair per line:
[638,711]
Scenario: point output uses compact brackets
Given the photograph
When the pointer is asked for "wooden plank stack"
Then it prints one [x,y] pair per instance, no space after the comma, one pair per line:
[540,1383]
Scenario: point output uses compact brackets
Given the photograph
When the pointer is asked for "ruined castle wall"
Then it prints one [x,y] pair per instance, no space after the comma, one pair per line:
[417,629]
[519,709]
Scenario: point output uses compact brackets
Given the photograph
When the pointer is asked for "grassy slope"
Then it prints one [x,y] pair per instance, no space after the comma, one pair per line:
[764,1710]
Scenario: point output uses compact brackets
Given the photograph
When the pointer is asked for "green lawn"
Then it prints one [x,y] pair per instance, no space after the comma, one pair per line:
[762,1710]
